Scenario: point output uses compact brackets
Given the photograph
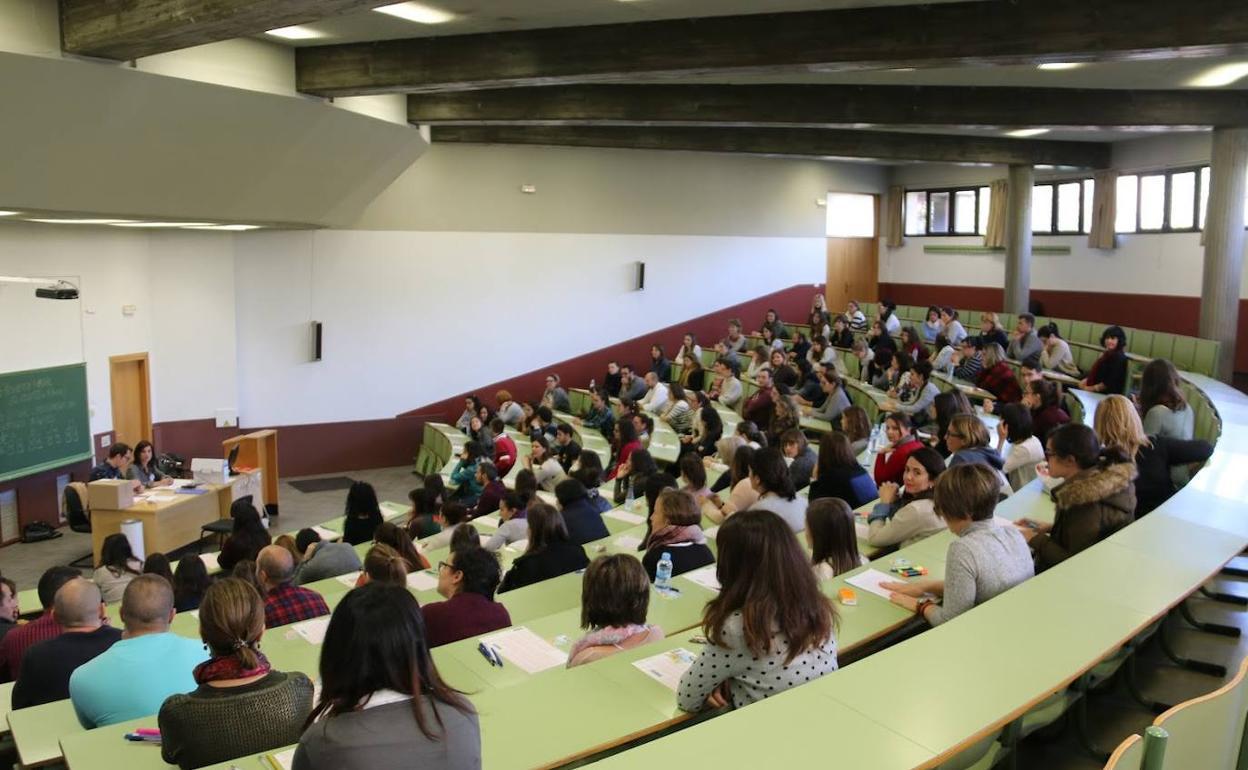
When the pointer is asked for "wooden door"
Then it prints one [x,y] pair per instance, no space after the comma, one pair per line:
[853,269]
[132,401]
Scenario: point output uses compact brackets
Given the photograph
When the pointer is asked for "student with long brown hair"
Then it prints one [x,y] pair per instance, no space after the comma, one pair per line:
[838,473]
[770,628]
[550,552]
[391,535]
[832,538]
[242,706]
[383,703]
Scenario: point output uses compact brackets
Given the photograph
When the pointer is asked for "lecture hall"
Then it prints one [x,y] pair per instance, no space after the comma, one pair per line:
[460,384]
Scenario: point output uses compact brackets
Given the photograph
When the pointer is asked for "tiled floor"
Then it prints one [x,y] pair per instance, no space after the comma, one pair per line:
[1114,715]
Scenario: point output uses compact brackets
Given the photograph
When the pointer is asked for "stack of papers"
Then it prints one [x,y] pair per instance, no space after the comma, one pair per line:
[668,667]
[622,515]
[490,522]
[313,631]
[521,647]
[349,579]
[627,542]
[210,561]
[282,760]
[422,580]
[705,577]
[328,535]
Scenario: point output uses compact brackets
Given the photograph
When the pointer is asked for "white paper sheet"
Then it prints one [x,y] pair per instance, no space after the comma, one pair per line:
[667,667]
[210,561]
[547,497]
[525,649]
[421,580]
[491,522]
[285,760]
[705,577]
[869,580]
[312,630]
[348,579]
[622,515]
[711,532]
[328,535]
[520,546]
[627,542]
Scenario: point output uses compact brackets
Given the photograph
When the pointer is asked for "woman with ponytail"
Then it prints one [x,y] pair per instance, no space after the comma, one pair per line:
[242,706]
[383,564]
[1095,497]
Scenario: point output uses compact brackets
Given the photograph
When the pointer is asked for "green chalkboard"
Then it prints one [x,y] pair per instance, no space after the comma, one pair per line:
[43,420]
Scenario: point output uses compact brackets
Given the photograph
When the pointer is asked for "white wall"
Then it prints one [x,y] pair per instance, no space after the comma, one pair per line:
[477,188]
[176,285]
[413,318]
[1163,264]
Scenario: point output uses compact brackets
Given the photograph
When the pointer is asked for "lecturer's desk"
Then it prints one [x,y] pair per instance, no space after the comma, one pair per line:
[169,524]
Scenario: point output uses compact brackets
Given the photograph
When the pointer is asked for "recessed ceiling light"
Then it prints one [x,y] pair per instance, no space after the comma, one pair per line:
[230,228]
[79,221]
[1221,75]
[417,12]
[1023,133]
[1061,65]
[294,33]
[8,213]
[161,224]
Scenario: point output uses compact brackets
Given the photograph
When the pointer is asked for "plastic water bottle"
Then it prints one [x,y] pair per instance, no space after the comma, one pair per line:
[629,495]
[874,443]
[663,572]
[591,383]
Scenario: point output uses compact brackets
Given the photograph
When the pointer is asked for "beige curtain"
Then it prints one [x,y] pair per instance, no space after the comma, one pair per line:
[998,199]
[1104,211]
[894,217]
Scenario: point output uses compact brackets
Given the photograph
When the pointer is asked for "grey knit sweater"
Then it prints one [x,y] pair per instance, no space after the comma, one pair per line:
[985,560]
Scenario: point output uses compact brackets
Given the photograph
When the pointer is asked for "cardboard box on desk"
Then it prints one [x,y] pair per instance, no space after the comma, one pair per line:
[111,494]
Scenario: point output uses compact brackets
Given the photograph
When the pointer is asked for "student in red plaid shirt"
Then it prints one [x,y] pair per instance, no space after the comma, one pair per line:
[285,602]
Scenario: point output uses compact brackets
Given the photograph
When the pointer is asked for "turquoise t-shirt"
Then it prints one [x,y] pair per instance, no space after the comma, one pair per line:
[134,677]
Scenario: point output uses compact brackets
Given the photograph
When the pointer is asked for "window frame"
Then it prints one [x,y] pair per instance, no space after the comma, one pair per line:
[1056,184]
[952,192]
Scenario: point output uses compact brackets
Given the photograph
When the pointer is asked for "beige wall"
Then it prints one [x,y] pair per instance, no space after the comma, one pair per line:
[477,188]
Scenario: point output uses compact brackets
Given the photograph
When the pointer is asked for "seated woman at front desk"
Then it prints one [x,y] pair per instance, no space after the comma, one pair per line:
[115,465]
[144,467]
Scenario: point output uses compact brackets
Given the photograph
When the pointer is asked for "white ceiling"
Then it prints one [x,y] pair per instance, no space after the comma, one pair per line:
[478,16]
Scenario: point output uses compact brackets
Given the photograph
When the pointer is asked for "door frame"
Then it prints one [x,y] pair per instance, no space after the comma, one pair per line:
[145,390]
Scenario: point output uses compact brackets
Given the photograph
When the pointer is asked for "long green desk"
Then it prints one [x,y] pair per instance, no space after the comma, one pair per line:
[962,682]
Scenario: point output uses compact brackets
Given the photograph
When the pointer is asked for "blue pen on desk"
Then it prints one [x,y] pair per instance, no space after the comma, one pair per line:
[487,653]
[498,657]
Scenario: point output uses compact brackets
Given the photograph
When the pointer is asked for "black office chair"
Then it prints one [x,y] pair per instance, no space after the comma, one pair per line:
[221,528]
[79,521]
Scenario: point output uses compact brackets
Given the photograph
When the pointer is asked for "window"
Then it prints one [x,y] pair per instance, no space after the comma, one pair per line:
[965,219]
[916,213]
[938,212]
[1042,208]
[954,211]
[1175,200]
[1089,195]
[1128,201]
[850,215]
[1153,202]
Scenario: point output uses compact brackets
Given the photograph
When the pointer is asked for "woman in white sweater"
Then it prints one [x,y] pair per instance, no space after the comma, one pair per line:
[1025,450]
[1056,357]
[905,515]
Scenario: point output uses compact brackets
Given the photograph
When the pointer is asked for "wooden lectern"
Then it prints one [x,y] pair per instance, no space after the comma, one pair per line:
[257,451]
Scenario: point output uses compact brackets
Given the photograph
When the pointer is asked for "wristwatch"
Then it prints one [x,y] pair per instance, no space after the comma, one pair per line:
[922,606]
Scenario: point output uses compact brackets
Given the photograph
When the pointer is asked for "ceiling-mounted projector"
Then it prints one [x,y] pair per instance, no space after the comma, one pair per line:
[46,288]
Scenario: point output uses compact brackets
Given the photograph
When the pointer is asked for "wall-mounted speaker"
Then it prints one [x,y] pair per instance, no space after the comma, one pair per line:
[316,340]
[641,276]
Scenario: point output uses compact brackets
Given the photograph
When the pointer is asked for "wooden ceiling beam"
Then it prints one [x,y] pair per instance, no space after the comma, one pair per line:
[130,29]
[802,142]
[830,106]
[944,34]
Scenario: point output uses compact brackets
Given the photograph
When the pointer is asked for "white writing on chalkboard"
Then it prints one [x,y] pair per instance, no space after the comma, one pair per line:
[43,418]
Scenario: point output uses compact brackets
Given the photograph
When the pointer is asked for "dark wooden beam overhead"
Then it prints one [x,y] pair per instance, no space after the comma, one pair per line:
[829,106]
[951,34]
[129,29]
[803,142]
